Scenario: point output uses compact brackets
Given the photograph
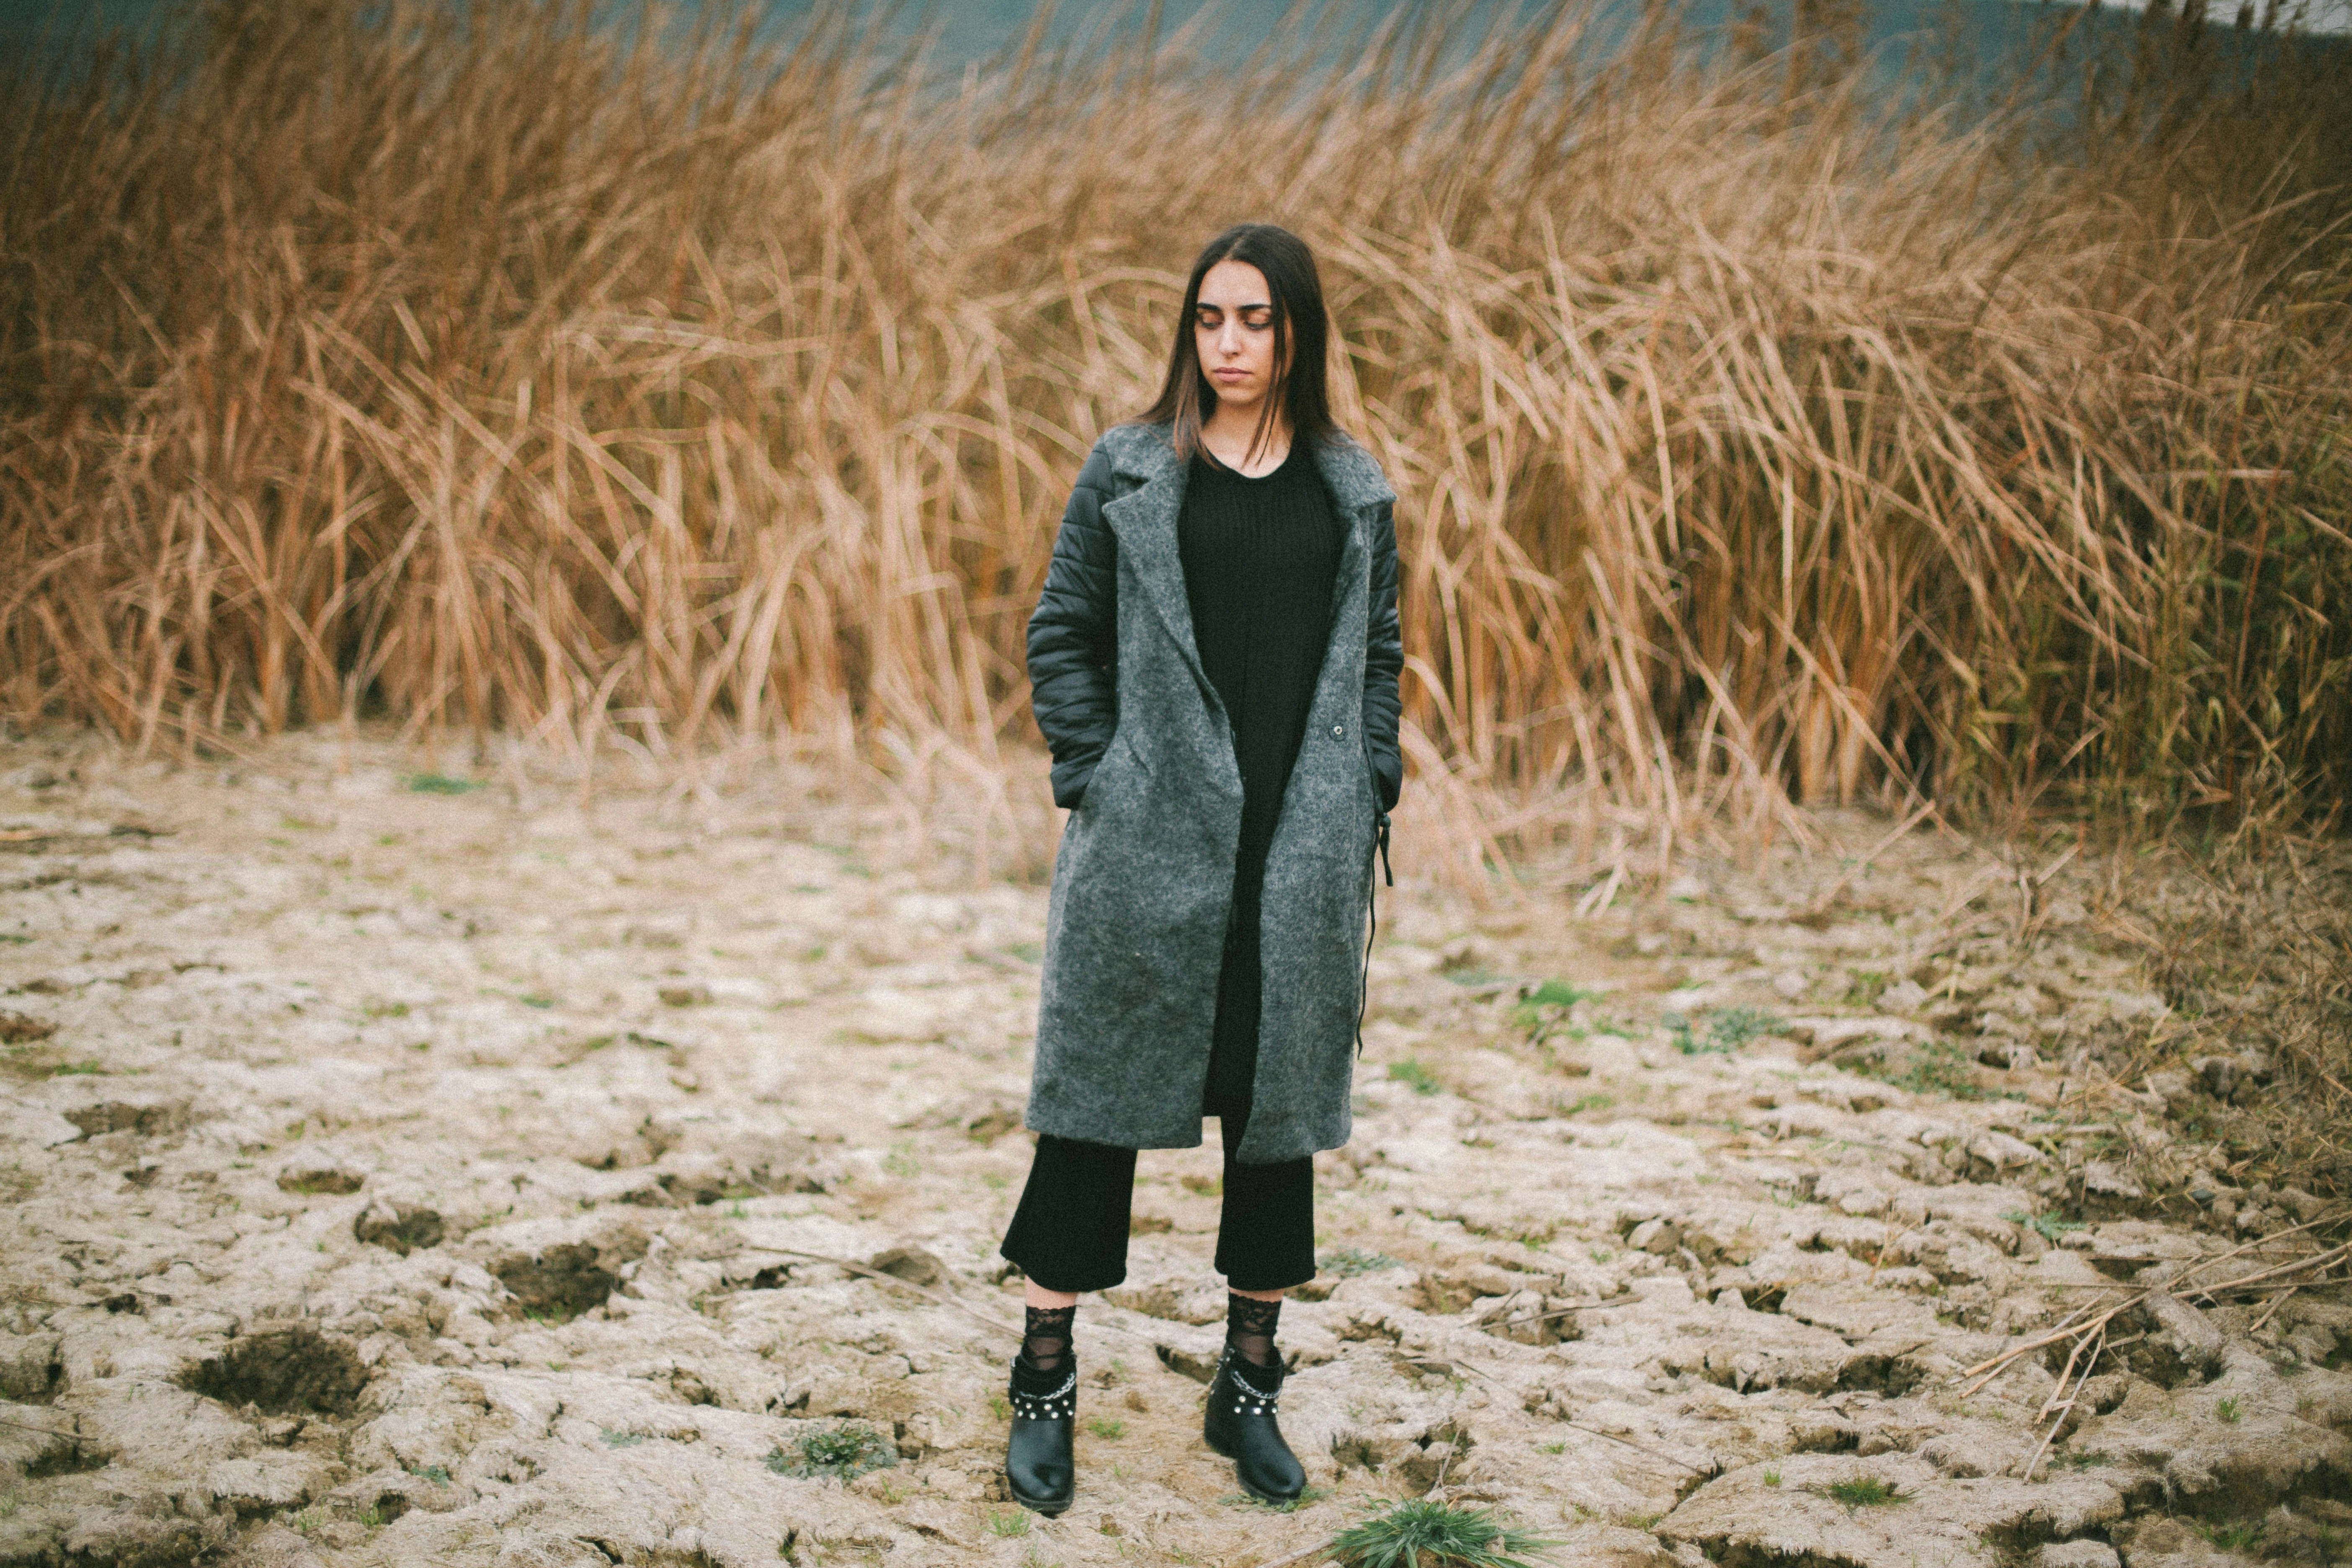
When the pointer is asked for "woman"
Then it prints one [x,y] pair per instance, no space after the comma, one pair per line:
[1214,664]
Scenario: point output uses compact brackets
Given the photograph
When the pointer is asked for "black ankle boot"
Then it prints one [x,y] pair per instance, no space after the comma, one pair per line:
[1037,1463]
[1241,1426]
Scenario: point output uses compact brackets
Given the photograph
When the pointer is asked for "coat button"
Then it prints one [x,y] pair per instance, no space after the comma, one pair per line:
[1337,731]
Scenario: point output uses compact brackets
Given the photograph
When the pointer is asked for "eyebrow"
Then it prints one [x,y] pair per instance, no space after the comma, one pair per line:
[1253,305]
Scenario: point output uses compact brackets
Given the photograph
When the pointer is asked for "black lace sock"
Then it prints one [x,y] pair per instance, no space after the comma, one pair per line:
[1045,1335]
[1249,1327]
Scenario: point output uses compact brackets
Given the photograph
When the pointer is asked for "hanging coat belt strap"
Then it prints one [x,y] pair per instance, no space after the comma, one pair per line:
[1372,930]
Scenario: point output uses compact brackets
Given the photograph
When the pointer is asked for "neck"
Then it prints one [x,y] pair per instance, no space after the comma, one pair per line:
[1231,437]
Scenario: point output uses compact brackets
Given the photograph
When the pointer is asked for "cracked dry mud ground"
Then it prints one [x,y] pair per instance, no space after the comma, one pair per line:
[398,1177]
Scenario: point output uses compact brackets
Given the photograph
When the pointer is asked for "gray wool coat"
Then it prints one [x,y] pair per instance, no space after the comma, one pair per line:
[1142,889]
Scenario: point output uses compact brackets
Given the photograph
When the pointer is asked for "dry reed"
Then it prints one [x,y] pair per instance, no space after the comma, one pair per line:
[1754,445]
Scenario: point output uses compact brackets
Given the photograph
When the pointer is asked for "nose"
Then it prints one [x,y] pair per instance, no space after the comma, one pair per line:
[1229,337]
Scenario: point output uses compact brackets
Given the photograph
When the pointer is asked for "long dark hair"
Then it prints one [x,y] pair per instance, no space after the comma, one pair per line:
[1300,326]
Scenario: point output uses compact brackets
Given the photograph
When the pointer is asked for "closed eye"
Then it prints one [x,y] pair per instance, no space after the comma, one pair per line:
[1256,317]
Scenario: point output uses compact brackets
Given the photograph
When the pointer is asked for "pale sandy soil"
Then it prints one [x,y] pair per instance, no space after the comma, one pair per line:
[396,1177]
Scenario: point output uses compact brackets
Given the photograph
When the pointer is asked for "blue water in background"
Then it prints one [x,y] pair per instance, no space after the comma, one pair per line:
[1901,38]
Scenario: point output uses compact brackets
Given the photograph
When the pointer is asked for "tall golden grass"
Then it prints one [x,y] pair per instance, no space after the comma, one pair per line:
[1755,444]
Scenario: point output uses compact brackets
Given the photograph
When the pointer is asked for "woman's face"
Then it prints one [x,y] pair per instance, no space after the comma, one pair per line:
[1233,328]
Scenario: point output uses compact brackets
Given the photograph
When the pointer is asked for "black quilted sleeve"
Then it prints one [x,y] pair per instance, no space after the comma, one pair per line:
[1384,665]
[1073,637]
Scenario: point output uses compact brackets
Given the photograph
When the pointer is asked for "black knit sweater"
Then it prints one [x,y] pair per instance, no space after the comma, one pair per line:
[1260,557]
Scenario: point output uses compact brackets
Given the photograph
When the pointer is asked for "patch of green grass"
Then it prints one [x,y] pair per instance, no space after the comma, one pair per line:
[386,1010]
[1863,1491]
[1735,1026]
[2227,1410]
[437,1473]
[1308,1496]
[2235,1536]
[1936,1067]
[76,1069]
[543,1002]
[2048,1226]
[441,784]
[1350,1261]
[1416,1077]
[1726,1031]
[1771,1478]
[1551,993]
[1583,1103]
[2080,1459]
[1864,987]
[1103,1426]
[614,1439]
[999,1407]
[844,1450]
[1425,1535]
[1009,1522]
[901,1159]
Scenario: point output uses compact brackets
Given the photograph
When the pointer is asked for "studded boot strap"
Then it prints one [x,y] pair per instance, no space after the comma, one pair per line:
[1061,1404]
[1249,1400]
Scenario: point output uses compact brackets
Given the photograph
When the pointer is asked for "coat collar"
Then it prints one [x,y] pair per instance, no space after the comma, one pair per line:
[1144,453]
[1144,517]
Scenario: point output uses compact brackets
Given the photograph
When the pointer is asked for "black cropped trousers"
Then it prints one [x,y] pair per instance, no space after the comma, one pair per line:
[1070,1230]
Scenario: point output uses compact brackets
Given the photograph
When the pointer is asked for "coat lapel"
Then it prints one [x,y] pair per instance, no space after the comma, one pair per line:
[1144,521]
[1144,518]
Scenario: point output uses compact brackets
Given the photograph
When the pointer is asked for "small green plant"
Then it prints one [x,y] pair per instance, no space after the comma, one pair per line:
[76,1069]
[1771,1478]
[441,783]
[371,1518]
[2227,1410]
[1103,1426]
[1414,1075]
[1425,1535]
[1735,1026]
[386,1010]
[1557,1446]
[1305,1498]
[999,1407]
[2048,1226]
[614,1439]
[843,1451]
[1864,987]
[1936,1067]
[1862,1492]
[1551,993]
[1725,1031]
[307,1520]
[1350,1261]
[2235,1536]
[437,1473]
[1008,1522]
[541,1003]
[1583,1103]
[901,1159]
